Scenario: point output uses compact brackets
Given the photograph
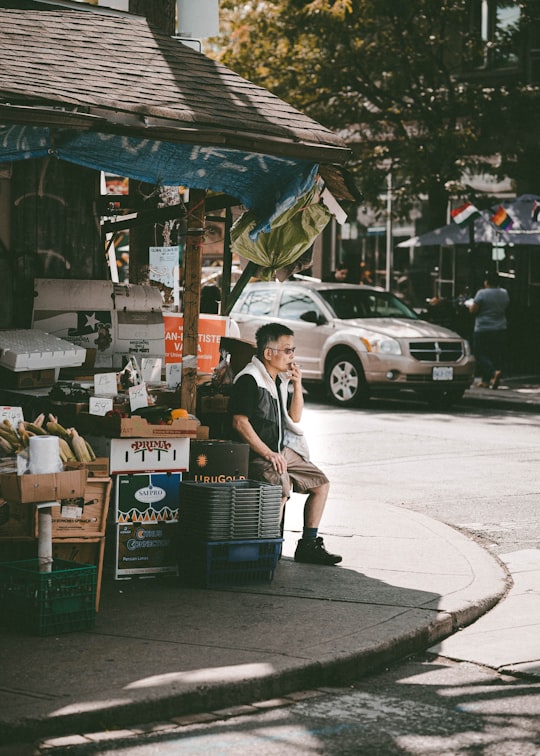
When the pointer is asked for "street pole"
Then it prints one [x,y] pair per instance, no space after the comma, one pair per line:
[388,230]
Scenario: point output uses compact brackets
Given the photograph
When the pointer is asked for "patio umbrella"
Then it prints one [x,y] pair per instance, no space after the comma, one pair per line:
[524,231]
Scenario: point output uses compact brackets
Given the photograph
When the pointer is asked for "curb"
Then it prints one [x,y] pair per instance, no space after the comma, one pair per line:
[490,584]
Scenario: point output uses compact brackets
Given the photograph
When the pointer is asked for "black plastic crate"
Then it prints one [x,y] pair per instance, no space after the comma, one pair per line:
[220,563]
[48,603]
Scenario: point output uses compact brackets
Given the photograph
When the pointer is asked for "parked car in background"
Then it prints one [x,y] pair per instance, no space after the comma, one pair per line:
[360,341]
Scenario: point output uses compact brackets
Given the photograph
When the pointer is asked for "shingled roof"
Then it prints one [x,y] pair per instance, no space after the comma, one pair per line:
[106,90]
[116,74]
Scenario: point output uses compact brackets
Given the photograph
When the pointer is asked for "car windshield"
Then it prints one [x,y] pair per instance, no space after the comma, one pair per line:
[348,304]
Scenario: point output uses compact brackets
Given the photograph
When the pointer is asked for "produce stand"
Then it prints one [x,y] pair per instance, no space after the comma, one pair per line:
[128,493]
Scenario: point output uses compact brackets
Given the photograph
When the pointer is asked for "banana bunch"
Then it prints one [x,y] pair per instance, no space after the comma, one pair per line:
[73,447]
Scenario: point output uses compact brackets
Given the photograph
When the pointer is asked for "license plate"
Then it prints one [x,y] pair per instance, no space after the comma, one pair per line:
[443,374]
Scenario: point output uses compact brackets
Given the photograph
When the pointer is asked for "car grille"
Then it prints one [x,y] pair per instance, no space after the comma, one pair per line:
[436,351]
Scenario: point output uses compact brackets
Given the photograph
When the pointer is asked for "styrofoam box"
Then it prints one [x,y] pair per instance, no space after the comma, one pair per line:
[149,454]
[36,350]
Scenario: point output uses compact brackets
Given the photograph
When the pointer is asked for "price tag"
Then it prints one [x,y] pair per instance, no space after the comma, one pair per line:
[105,384]
[138,396]
[151,369]
[13,414]
[173,374]
[100,405]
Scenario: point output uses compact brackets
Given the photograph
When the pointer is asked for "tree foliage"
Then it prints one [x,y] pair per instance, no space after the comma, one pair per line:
[387,76]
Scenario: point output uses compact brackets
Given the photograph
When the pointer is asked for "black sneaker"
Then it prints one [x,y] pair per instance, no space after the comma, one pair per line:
[312,550]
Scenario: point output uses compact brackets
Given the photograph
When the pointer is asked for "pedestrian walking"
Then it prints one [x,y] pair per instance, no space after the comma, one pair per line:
[489,307]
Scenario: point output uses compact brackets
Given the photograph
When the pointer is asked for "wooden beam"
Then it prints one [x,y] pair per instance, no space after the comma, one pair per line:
[249,271]
[192,299]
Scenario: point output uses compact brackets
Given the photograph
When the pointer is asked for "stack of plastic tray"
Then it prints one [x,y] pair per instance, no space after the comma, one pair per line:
[229,533]
[239,509]
[46,603]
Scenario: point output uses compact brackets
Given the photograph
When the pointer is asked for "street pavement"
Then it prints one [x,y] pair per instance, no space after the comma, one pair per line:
[162,655]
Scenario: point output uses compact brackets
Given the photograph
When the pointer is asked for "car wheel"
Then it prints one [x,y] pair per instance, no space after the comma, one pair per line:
[345,381]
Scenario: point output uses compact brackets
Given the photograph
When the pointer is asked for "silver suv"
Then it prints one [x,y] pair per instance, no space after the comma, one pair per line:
[359,340]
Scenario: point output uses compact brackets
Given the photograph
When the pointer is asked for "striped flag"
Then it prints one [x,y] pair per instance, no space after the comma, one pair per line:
[535,212]
[464,213]
[501,219]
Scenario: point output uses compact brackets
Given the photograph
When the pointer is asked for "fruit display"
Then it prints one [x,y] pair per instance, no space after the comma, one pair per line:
[14,439]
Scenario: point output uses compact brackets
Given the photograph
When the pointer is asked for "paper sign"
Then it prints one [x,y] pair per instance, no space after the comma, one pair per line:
[13,414]
[137,396]
[173,374]
[151,369]
[211,329]
[163,261]
[105,384]
[100,405]
[72,509]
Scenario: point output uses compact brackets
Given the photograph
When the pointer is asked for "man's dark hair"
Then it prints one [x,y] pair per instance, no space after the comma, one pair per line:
[492,278]
[268,334]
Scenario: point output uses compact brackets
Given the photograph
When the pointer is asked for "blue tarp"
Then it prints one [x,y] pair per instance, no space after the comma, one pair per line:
[266,184]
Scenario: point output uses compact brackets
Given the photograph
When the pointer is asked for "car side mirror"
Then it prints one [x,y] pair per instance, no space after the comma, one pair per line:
[312,316]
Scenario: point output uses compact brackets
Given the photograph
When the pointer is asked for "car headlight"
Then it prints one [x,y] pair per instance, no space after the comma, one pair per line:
[382,345]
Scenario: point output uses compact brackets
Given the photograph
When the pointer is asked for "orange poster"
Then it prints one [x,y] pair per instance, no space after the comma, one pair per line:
[211,329]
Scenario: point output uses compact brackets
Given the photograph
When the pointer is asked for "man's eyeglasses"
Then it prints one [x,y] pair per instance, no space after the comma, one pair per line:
[287,350]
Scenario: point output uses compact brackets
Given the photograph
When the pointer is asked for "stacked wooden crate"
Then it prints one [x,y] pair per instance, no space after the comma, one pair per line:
[79,536]
[78,525]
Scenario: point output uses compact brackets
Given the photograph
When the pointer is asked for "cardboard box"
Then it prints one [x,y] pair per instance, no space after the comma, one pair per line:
[27,379]
[217,461]
[146,549]
[203,433]
[97,468]
[137,427]
[147,497]
[16,520]
[89,512]
[45,487]
[149,454]
[217,403]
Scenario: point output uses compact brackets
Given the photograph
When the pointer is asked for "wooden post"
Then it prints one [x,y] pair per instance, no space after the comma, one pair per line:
[227,262]
[192,298]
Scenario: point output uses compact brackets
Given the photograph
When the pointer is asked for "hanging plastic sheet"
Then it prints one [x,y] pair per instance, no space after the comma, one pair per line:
[267,184]
[290,235]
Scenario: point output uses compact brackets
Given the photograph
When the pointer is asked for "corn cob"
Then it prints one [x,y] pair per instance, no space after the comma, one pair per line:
[11,437]
[34,429]
[78,444]
[55,429]
[23,434]
[40,419]
[5,446]
[91,452]
[66,452]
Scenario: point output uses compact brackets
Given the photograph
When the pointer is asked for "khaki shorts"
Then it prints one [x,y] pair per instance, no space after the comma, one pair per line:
[301,476]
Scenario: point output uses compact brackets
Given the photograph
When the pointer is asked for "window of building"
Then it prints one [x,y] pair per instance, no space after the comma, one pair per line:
[496,25]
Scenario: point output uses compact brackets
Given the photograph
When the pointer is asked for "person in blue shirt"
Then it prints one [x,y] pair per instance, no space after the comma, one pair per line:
[489,307]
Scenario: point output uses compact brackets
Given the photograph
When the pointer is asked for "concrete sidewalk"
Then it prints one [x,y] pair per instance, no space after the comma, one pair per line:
[160,651]
[521,393]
